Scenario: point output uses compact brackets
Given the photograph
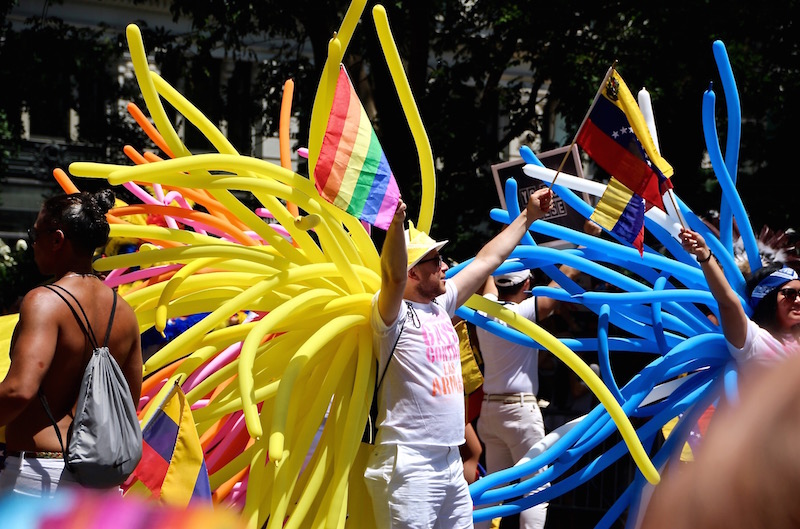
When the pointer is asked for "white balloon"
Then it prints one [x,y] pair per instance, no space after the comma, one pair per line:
[583,185]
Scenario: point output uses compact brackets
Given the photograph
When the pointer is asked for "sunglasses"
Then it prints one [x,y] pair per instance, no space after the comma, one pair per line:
[789,293]
[32,233]
[434,258]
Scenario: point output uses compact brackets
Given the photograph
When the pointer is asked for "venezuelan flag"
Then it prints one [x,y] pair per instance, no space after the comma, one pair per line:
[616,137]
[173,468]
[352,171]
[621,212]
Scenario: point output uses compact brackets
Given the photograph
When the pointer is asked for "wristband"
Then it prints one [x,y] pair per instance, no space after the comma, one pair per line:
[707,258]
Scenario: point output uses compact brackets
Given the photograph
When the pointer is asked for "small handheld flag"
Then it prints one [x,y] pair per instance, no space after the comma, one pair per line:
[173,467]
[621,211]
[352,172]
[616,137]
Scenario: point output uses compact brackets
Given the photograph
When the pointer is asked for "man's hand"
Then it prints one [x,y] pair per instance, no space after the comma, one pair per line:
[400,212]
[590,227]
[540,203]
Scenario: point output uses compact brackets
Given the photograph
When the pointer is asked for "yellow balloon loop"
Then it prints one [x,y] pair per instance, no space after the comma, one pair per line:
[413,117]
[306,301]
[324,335]
[173,284]
[573,361]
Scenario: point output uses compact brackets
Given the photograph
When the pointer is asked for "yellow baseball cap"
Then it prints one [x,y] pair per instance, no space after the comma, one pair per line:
[419,244]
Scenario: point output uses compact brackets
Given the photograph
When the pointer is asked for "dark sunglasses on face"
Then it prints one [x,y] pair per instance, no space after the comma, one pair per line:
[434,258]
[32,233]
[789,293]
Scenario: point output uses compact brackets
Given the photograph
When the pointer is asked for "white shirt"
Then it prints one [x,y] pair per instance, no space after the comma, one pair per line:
[509,367]
[421,400]
[763,348]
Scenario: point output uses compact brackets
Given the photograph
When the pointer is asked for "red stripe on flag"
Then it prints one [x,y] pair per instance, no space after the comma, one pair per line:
[620,163]
[333,130]
[152,469]
[344,152]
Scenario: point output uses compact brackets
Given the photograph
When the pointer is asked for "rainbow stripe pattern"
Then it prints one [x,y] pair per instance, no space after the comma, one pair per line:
[352,172]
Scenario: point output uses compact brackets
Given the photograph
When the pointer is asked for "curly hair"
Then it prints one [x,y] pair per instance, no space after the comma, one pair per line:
[81,217]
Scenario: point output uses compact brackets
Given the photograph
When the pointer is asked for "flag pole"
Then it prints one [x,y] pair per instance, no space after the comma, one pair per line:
[677,211]
[586,117]
[148,419]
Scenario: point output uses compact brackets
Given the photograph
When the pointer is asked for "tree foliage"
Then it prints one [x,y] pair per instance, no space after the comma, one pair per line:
[469,63]
[477,69]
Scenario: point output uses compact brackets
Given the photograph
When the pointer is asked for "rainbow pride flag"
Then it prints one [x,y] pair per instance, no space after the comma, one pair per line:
[352,172]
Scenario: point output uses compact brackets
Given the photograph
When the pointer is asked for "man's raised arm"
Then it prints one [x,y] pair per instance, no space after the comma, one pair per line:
[394,263]
[492,255]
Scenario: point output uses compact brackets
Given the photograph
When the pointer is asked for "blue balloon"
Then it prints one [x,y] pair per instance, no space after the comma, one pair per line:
[657,303]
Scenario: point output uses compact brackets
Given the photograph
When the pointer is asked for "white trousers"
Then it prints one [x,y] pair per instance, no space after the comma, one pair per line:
[418,487]
[508,431]
[34,477]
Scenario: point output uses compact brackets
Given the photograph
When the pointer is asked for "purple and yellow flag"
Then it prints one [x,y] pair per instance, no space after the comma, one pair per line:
[352,172]
[173,468]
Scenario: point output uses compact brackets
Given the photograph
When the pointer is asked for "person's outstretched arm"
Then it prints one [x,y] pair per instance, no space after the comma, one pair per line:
[492,255]
[732,316]
[394,271]
[547,306]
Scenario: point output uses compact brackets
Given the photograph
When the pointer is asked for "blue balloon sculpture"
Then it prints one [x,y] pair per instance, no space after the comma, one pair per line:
[663,312]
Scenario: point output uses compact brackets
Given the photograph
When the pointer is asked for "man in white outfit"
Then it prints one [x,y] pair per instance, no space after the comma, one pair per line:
[415,475]
[511,422]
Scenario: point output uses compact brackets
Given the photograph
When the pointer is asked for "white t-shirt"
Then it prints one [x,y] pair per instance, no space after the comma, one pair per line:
[421,400]
[509,367]
[763,348]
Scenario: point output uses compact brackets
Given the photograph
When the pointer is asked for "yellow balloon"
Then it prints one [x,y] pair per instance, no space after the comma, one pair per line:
[411,112]
[142,70]
[593,382]
[323,102]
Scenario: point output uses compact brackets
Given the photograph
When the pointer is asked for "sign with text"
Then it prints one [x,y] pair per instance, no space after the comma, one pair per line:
[562,214]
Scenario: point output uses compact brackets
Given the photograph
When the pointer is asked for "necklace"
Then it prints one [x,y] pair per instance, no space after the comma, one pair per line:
[76,274]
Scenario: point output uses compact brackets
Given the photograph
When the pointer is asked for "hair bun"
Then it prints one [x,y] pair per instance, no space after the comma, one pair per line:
[104,199]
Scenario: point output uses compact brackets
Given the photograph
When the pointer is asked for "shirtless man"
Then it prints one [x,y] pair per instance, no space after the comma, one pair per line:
[50,352]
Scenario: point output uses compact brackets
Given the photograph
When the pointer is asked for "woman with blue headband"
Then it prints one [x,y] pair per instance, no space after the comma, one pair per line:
[772,293]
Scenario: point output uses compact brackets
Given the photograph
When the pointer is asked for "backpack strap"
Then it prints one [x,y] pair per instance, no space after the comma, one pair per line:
[89,333]
[391,355]
[49,413]
[87,328]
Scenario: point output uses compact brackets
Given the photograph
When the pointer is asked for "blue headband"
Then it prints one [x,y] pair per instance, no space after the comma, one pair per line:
[770,283]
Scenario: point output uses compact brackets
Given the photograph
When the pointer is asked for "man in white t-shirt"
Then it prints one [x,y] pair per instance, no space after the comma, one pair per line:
[415,475]
[511,421]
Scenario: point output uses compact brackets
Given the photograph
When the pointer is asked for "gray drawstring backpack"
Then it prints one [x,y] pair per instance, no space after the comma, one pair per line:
[104,443]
